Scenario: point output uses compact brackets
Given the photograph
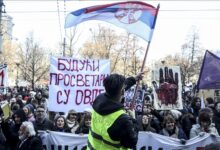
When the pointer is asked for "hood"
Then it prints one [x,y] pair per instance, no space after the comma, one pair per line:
[104,105]
[20,113]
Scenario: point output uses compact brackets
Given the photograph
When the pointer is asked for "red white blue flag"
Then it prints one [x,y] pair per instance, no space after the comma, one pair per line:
[136,17]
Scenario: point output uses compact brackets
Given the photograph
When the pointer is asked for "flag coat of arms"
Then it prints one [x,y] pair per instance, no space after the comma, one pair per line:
[209,77]
[134,16]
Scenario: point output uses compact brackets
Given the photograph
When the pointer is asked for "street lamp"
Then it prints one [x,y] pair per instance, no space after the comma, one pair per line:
[17,64]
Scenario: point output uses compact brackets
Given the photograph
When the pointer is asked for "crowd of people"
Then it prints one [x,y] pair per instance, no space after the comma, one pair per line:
[29,114]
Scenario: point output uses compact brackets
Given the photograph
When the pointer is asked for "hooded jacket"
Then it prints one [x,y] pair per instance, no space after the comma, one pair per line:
[125,128]
[196,129]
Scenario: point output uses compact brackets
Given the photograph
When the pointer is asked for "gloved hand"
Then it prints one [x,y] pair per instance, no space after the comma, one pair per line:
[201,134]
[139,76]
[183,141]
[212,135]
[131,113]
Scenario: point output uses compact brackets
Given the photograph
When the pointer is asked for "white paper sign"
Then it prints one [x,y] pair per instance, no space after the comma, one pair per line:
[75,83]
[167,88]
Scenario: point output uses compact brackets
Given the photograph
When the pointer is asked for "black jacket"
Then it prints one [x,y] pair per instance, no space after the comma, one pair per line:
[11,129]
[82,129]
[216,120]
[65,129]
[45,125]
[125,128]
[3,144]
[32,143]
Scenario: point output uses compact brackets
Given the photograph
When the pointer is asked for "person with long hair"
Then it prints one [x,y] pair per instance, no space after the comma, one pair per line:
[171,129]
[146,123]
[60,124]
[28,113]
[85,124]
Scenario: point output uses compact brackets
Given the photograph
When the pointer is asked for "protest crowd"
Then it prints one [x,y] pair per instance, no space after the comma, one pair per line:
[29,114]
[119,108]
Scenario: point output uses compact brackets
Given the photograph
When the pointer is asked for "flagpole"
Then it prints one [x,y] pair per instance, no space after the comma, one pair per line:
[145,58]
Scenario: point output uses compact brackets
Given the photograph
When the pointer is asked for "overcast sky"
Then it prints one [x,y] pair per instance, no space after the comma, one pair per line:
[173,23]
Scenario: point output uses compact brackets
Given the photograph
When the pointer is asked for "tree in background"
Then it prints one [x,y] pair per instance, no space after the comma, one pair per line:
[193,54]
[8,56]
[33,61]
[123,50]
[101,44]
[190,59]
[133,55]
[72,38]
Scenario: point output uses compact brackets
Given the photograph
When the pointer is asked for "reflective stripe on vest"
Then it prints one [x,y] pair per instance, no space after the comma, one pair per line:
[98,135]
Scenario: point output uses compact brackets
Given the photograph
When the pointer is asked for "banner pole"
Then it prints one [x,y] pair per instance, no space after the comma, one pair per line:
[145,58]
[138,82]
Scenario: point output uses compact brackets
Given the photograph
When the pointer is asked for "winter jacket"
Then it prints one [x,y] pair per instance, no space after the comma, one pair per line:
[66,130]
[72,125]
[125,128]
[146,128]
[216,120]
[177,133]
[3,144]
[31,143]
[196,129]
[82,129]
[45,125]
[187,121]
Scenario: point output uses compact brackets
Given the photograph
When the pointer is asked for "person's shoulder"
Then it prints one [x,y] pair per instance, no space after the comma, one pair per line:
[34,139]
[67,130]
[180,130]
[46,120]
[195,127]
[36,143]
[126,119]
[212,125]
[124,116]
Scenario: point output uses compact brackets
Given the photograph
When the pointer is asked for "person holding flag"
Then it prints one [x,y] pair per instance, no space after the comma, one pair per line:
[111,128]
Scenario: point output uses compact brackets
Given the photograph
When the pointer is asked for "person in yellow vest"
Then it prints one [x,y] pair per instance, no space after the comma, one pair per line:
[111,128]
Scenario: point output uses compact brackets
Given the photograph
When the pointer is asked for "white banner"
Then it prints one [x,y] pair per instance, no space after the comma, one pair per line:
[74,83]
[146,141]
[167,88]
[152,141]
[63,141]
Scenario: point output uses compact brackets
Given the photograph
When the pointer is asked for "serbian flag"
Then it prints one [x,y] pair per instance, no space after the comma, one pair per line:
[136,17]
[209,77]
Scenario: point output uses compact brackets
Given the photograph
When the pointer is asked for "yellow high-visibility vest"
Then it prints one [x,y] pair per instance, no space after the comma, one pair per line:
[99,138]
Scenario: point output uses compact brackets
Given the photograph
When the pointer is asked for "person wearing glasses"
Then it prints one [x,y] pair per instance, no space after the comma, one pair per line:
[41,122]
